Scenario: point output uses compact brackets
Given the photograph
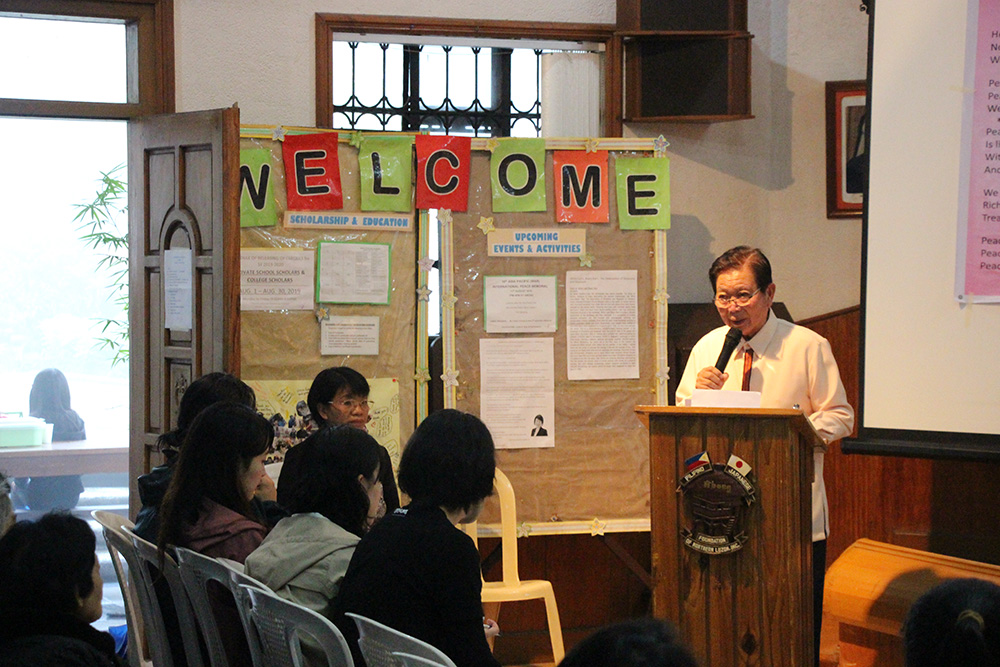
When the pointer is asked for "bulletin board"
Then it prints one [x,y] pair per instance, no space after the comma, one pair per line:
[284,345]
[596,476]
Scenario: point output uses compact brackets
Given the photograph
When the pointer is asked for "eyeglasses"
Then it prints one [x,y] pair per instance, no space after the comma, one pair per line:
[350,404]
[741,299]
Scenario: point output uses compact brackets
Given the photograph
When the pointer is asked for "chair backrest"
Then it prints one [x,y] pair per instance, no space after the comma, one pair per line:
[409,660]
[120,547]
[378,642]
[508,528]
[198,572]
[238,580]
[281,626]
[169,609]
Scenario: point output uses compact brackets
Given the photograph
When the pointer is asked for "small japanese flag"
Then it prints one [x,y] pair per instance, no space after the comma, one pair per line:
[739,465]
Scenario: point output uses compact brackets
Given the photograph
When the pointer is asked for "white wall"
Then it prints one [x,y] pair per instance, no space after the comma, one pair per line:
[759,181]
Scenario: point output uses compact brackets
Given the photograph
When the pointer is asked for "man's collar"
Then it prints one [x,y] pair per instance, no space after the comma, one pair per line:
[762,338]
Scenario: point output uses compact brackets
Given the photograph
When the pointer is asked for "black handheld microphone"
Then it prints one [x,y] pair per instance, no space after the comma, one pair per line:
[733,337]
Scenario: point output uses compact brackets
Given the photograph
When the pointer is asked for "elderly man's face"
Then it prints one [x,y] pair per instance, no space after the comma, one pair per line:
[749,318]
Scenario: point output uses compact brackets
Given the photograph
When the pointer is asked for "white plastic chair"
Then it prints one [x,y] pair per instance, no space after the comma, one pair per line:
[511,588]
[281,626]
[379,642]
[120,548]
[148,565]
[197,572]
[409,660]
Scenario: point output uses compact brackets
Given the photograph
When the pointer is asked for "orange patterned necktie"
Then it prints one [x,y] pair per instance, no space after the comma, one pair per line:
[747,367]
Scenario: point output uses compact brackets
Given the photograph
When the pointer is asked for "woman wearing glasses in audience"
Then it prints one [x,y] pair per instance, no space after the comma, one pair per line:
[339,396]
[335,502]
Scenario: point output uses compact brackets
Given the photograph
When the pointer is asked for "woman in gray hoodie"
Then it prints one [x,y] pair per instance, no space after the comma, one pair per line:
[333,503]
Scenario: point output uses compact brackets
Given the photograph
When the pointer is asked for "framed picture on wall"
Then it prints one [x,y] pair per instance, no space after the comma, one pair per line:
[846,162]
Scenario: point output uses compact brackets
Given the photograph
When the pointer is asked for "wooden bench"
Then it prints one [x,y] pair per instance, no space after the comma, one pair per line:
[870,588]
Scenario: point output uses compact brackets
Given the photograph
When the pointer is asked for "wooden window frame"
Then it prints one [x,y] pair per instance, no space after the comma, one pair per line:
[149,43]
[329,24]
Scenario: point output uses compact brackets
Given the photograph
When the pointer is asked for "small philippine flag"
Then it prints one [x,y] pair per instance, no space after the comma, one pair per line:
[697,461]
[738,464]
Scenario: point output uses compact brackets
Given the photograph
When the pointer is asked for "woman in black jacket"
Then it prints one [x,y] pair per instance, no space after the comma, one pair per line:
[50,593]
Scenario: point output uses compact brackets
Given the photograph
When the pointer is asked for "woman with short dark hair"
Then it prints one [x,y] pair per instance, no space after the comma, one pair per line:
[338,396]
[50,593]
[207,507]
[305,556]
[416,571]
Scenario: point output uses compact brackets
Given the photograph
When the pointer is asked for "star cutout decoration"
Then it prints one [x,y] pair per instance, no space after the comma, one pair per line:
[486,224]
[423,293]
[523,529]
[425,263]
[586,259]
[492,144]
[278,133]
[444,216]
[322,314]
[663,375]
[597,527]
[660,146]
[422,375]
[449,301]
[356,138]
[590,146]
[450,378]
[661,296]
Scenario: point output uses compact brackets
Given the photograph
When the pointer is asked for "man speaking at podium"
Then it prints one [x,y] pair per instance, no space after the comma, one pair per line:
[792,367]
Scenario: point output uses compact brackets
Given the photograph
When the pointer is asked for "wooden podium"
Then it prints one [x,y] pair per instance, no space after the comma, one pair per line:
[752,606]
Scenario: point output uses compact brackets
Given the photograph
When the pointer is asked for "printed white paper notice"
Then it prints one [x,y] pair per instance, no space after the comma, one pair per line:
[349,334]
[520,304]
[353,273]
[517,391]
[177,292]
[602,325]
[277,279]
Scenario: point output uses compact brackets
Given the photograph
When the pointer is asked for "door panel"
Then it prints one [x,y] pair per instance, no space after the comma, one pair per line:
[183,195]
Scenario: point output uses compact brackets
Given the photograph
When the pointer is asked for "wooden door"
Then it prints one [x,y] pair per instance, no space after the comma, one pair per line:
[183,225]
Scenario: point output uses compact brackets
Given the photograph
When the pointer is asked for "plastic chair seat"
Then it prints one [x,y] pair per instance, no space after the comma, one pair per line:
[379,643]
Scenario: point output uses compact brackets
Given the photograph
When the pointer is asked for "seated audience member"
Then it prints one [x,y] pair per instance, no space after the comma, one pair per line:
[50,593]
[304,558]
[49,400]
[642,642]
[7,516]
[415,570]
[339,396]
[207,507]
[955,624]
[205,391]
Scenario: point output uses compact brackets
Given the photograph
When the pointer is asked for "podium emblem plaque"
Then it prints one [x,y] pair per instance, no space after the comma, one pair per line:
[716,499]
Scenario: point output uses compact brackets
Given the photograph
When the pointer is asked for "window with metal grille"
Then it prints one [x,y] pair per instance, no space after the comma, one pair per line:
[448,76]
[448,89]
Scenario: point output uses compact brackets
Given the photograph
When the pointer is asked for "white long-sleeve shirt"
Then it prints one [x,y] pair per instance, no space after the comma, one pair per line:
[793,368]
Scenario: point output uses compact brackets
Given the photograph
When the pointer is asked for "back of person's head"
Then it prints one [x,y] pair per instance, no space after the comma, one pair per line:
[207,390]
[6,506]
[47,564]
[737,258]
[49,394]
[955,624]
[330,382]
[644,642]
[331,463]
[449,461]
[216,454]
